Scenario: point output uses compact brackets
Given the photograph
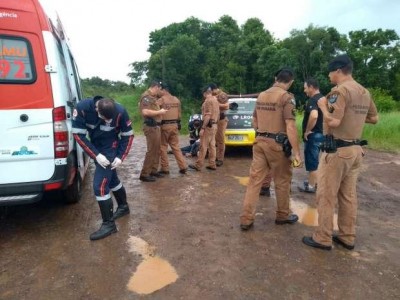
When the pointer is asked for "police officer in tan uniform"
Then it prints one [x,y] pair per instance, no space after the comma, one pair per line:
[274,120]
[152,114]
[345,109]
[210,116]
[170,126]
[222,98]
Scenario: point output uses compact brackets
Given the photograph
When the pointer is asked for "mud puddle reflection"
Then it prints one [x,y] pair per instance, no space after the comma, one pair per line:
[153,273]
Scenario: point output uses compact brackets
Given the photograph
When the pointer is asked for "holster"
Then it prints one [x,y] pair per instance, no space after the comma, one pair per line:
[150,122]
[329,144]
[281,138]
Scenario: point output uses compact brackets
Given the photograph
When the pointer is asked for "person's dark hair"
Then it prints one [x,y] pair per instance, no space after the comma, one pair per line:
[312,82]
[196,123]
[97,98]
[106,108]
[213,86]
[284,75]
[165,86]
[207,89]
[155,83]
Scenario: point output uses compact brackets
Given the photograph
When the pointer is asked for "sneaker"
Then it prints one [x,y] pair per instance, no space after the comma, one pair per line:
[306,188]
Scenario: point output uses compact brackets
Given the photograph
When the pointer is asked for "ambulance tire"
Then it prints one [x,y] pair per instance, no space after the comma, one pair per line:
[73,193]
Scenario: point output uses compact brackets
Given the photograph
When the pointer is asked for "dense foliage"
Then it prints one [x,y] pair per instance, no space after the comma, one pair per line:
[243,59]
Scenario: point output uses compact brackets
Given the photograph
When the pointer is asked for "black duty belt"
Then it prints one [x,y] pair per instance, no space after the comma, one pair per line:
[169,122]
[341,143]
[266,134]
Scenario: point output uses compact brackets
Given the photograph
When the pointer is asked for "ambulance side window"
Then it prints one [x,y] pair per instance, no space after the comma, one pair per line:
[16,60]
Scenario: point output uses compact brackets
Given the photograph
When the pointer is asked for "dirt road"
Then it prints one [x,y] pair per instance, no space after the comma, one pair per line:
[182,241]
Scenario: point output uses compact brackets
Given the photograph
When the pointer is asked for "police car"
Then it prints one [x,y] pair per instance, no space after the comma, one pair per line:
[239,131]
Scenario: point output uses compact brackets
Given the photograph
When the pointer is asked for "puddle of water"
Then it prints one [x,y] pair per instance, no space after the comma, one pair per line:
[242,180]
[308,215]
[153,273]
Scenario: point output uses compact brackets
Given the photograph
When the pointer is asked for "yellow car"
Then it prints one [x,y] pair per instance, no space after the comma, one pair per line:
[239,131]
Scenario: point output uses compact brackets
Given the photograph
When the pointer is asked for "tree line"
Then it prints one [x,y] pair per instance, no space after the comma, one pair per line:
[243,59]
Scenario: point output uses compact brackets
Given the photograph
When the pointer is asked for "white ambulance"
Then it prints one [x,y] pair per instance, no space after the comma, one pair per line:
[39,87]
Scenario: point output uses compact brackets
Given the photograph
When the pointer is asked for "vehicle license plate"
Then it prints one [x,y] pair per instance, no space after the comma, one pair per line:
[235,137]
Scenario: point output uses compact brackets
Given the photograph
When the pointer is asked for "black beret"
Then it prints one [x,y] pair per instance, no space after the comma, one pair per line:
[339,62]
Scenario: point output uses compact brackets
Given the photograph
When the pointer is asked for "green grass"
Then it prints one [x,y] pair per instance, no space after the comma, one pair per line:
[384,136]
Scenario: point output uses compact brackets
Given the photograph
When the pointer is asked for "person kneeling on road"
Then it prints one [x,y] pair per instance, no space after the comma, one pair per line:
[111,137]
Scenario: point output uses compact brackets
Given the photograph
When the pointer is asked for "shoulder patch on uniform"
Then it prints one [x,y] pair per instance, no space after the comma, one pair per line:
[146,100]
[293,101]
[332,98]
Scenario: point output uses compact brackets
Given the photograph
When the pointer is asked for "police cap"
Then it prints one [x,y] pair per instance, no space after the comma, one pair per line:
[339,62]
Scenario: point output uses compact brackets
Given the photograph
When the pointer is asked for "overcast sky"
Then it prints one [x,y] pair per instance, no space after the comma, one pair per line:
[106,36]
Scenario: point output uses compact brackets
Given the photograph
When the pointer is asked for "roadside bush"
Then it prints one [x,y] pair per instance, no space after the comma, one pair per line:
[383,101]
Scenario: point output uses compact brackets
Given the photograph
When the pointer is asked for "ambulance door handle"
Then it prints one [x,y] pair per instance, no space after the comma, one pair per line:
[24,117]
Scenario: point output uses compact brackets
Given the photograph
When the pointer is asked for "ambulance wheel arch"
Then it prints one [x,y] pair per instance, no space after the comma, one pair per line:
[73,190]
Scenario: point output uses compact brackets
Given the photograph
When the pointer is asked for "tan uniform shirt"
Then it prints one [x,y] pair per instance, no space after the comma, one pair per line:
[210,107]
[173,105]
[350,103]
[149,101]
[222,98]
[273,107]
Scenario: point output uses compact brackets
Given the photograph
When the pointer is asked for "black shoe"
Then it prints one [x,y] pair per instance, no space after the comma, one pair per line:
[211,168]
[147,178]
[163,172]
[265,191]
[121,211]
[246,227]
[219,163]
[343,244]
[194,167]
[183,171]
[306,188]
[308,240]
[158,175]
[290,220]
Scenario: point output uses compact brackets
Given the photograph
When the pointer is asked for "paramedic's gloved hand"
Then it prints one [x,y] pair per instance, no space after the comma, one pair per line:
[102,160]
[116,163]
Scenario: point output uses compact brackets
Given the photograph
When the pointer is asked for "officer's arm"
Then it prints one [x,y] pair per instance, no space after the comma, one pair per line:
[153,113]
[372,119]
[126,136]
[291,131]
[79,133]
[223,106]
[328,118]
[372,115]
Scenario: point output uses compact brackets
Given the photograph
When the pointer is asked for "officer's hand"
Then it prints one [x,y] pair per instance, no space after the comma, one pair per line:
[297,162]
[102,160]
[162,111]
[116,163]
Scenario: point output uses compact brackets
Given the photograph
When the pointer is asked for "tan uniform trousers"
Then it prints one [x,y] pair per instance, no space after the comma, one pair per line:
[170,136]
[267,180]
[220,138]
[207,142]
[267,156]
[337,180]
[152,157]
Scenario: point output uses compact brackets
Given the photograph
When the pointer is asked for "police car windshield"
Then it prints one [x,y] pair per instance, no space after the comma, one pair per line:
[242,105]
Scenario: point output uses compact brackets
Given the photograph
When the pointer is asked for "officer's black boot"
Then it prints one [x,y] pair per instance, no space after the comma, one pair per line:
[123,208]
[108,226]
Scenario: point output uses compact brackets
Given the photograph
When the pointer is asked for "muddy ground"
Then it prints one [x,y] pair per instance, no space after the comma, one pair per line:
[182,241]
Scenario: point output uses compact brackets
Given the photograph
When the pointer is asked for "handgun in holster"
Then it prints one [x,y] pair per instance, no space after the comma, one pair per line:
[329,144]
[282,139]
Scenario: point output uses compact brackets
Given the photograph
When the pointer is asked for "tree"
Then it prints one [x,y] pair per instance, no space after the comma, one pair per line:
[139,72]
